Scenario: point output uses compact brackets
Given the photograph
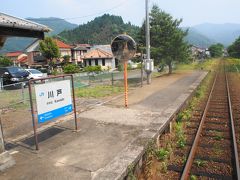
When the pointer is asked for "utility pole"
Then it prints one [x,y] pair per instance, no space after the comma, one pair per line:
[147,33]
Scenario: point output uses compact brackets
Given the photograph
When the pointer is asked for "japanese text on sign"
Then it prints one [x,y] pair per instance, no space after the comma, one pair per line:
[53,100]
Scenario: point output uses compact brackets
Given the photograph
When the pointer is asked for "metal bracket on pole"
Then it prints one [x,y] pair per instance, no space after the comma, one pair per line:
[149,67]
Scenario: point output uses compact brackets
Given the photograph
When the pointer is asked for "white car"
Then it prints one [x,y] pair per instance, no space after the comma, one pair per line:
[34,74]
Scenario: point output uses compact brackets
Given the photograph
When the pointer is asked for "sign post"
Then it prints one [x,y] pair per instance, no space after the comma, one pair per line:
[53,100]
[124,48]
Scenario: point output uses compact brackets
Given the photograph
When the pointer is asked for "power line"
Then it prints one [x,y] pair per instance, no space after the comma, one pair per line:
[89,15]
[105,11]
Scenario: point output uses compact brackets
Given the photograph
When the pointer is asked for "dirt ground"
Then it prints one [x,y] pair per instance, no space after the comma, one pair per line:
[18,121]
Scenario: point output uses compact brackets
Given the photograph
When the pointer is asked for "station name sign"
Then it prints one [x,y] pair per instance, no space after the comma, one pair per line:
[53,100]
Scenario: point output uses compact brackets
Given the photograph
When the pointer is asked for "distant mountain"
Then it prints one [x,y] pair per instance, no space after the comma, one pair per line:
[56,24]
[221,33]
[100,31]
[103,29]
[197,39]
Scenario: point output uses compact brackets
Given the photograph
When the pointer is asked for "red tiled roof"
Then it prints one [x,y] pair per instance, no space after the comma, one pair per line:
[97,53]
[23,59]
[62,45]
[14,54]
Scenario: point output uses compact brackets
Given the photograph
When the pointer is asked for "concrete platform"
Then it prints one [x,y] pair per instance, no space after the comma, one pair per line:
[111,137]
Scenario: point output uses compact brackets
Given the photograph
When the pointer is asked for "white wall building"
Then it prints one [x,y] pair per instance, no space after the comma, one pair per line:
[99,57]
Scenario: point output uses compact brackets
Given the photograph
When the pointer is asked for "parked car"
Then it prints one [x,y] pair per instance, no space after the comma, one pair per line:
[34,74]
[13,75]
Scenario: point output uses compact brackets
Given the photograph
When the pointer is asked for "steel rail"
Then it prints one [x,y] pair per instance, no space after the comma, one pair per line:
[233,129]
[188,165]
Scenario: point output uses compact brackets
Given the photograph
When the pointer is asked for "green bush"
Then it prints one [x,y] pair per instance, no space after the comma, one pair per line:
[71,69]
[4,61]
[129,67]
[120,67]
[139,66]
[90,69]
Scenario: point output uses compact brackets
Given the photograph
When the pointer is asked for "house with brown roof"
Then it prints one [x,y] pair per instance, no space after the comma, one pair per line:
[65,49]
[17,57]
[36,58]
[78,52]
[100,57]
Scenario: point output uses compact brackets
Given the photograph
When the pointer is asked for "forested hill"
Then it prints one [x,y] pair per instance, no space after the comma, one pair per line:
[100,31]
[198,39]
[56,24]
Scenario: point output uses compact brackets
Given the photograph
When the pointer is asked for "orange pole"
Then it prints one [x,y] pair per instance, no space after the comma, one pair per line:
[125,84]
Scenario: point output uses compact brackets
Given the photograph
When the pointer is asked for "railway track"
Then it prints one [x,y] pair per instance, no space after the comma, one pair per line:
[215,142]
[205,139]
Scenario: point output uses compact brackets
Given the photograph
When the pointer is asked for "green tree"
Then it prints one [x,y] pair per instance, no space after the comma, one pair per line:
[49,49]
[167,39]
[4,61]
[66,59]
[234,49]
[216,50]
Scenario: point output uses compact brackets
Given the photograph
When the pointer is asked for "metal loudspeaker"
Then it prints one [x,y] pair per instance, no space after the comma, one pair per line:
[149,65]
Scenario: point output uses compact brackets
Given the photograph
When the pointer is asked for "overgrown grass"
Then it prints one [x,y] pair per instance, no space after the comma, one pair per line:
[179,134]
[233,65]
[186,67]
[98,91]
[158,74]
[200,162]
[207,65]
[162,154]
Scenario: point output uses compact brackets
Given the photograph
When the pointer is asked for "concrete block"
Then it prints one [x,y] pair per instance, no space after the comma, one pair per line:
[6,161]
[118,167]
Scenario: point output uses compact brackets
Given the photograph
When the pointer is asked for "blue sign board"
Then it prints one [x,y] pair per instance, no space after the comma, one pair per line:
[53,100]
[54,114]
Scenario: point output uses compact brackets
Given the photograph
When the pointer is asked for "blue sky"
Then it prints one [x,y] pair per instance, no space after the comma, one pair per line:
[81,11]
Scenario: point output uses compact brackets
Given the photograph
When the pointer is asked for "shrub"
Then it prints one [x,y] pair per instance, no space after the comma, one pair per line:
[139,66]
[129,67]
[71,69]
[4,61]
[120,67]
[91,69]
